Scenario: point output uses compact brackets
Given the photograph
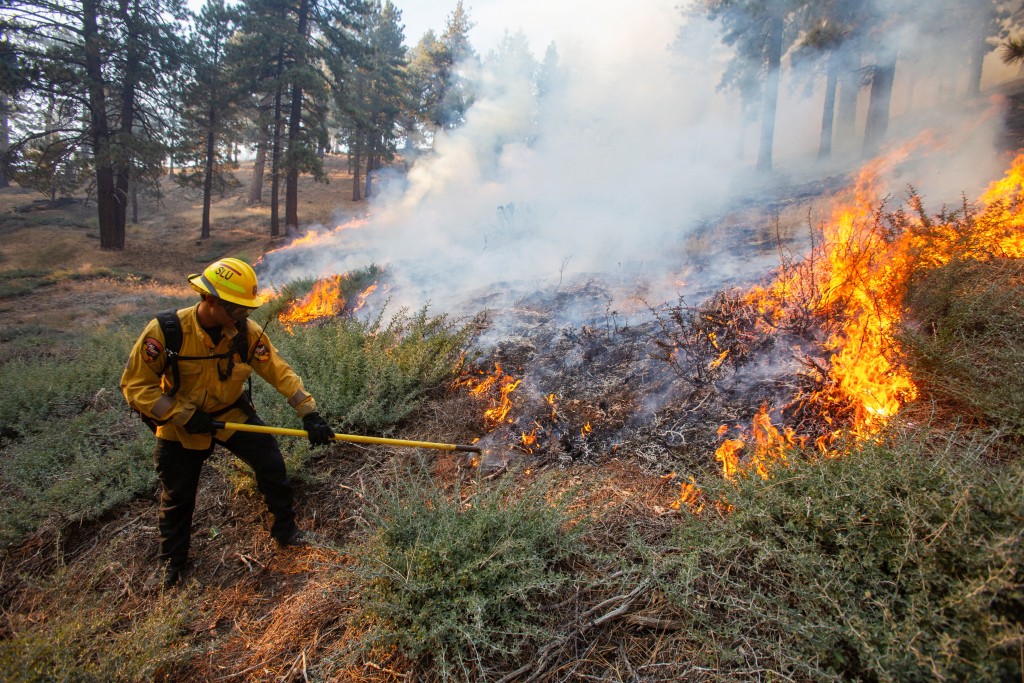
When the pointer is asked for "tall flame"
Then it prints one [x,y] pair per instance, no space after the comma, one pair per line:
[323,301]
[859,276]
[314,238]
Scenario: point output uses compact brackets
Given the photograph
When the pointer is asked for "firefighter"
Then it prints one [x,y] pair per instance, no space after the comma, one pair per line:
[181,391]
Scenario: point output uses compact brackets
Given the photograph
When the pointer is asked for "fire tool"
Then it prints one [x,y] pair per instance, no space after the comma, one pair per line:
[351,438]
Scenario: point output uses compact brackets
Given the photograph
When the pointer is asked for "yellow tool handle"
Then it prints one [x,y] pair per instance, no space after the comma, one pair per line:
[352,438]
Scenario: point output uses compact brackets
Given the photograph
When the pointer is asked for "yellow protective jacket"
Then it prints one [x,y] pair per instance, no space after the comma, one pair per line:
[146,387]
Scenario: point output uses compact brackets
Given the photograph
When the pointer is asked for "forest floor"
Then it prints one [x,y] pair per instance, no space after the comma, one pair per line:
[253,606]
[161,250]
[250,611]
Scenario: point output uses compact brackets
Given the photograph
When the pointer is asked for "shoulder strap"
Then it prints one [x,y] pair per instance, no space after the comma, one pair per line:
[173,338]
[170,324]
[242,341]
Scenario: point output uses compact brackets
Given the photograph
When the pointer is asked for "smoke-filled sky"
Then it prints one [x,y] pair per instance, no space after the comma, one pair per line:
[541,21]
[631,151]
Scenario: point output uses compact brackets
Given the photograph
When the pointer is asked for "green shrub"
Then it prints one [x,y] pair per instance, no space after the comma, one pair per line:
[366,376]
[19,282]
[78,468]
[63,381]
[69,447]
[459,586]
[895,563]
[965,347]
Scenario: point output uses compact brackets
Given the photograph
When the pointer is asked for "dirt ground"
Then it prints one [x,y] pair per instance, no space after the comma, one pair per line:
[160,250]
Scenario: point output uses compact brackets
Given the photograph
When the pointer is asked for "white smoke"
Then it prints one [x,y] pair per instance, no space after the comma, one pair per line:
[628,152]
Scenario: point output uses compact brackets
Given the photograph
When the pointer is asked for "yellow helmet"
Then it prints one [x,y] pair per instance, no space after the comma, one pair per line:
[230,279]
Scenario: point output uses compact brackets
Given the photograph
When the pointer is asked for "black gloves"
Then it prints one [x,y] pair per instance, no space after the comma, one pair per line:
[200,423]
[320,433]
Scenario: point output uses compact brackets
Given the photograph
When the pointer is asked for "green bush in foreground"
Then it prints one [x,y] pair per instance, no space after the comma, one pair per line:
[965,348]
[896,563]
[459,586]
[85,466]
[62,382]
[368,376]
[70,448]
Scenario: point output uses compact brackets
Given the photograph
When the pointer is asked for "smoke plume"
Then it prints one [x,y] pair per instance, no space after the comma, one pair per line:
[612,169]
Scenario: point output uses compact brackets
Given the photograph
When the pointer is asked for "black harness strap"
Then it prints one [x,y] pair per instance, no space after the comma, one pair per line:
[170,324]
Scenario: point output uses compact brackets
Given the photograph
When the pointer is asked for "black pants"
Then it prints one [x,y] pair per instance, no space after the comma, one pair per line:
[178,470]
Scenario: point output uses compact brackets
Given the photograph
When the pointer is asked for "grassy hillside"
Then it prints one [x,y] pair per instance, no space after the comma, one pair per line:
[901,560]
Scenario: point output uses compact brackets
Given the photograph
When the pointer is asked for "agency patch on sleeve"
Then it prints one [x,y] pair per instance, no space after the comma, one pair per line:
[151,349]
[261,353]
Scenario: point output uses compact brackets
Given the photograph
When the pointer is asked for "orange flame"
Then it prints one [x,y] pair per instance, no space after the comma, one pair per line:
[529,440]
[323,301]
[691,496]
[497,413]
[315,237]
[363,296]
[860,277]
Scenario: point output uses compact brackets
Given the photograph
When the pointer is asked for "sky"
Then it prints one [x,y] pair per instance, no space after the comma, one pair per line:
[541,21]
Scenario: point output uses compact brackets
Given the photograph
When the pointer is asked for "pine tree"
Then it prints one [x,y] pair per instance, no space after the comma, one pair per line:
[104,64]
[374,95]
[830,32]
[293,49]
[760,31]
[209,111]
[438,65]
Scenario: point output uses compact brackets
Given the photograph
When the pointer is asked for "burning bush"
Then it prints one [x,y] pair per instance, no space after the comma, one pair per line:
[310,299]
[463,587]
[842,308]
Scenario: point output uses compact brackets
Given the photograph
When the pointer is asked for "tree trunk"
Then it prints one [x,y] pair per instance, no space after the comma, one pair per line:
[99,131]
[829,110]
[373,166]
[258,166]
[878,107]
[355,160]
[275,156]
[211,150]
[849,93]
[5,140]
[135,202]
[275,164]
[291,188]
[771,94]
[291,199]
[131,79]
[974,66]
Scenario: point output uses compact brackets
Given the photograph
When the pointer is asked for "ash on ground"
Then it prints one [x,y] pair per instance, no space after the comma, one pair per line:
[651,385]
